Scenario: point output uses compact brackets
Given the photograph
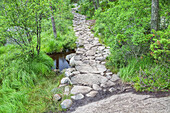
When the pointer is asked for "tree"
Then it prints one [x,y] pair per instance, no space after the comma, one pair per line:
[22,22]
[53,21]
[155,15]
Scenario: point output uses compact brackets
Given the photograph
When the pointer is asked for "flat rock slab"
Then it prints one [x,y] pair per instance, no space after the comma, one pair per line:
[90,69]
[127,103]
[80,89]
[88,79]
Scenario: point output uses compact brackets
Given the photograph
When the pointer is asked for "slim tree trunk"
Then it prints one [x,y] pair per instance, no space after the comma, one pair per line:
[98,5]
[94,3]
[155,15]
[53,22]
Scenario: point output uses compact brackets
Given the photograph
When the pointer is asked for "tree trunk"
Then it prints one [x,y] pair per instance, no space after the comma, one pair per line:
[98,5]
[155,15]
[94,3]
[53,22]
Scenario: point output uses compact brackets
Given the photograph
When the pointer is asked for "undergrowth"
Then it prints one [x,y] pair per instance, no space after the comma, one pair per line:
[140,54]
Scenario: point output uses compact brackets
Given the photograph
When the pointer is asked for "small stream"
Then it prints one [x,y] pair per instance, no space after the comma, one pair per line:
[59,60]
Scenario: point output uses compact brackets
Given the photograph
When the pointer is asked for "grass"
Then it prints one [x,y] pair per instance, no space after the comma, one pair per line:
[146,75]
[26,82]
[40,96]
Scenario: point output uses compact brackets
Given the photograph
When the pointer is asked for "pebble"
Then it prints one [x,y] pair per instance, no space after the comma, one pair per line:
[66,104]
[92,94]
[56,97]
[78,96]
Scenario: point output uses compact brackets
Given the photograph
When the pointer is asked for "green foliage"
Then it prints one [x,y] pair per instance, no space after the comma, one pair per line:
[161,46]
[124,25]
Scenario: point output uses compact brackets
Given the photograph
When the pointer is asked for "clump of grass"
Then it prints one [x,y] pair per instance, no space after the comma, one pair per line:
[146,75]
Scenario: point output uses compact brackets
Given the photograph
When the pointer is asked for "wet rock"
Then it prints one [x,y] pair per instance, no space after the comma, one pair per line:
[80,89]
[92,94]
[72,62]
[78,96]
[56,97]
[96,87]
[66,104]
[68,57]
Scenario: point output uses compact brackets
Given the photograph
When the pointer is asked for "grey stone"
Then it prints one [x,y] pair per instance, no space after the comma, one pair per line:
[68,57]
[91,52]
[80,89]
[65,80]
[88,79]
[96,87]
[67,90]
[112,89]
[78,96]
[109,73]
[56,97]
[72,62]
[107,84]
[101,48]
[114,78]
[66,104]
[101,68]
[76,72]
[92,94]
[100,58]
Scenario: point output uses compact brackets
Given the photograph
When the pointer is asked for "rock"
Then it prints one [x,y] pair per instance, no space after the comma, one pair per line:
[78,96]
[108,76]
[65,80]
[107,84]
[114,78]
[56,97]
[80,89]
[76,72]
[109,73]
[66,104]
[100,58]
[88,79]
[67,90]
[68,57]
[112,89]
[96,87]
[101,48]
[72,62]
[91,52]
[92,94]
[68,72]
[101,68]
[85,68]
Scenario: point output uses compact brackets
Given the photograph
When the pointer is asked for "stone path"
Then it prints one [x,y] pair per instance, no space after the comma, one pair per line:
[89,77]
[88,73]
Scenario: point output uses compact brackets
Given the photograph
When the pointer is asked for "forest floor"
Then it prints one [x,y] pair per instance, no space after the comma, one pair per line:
[95,88]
